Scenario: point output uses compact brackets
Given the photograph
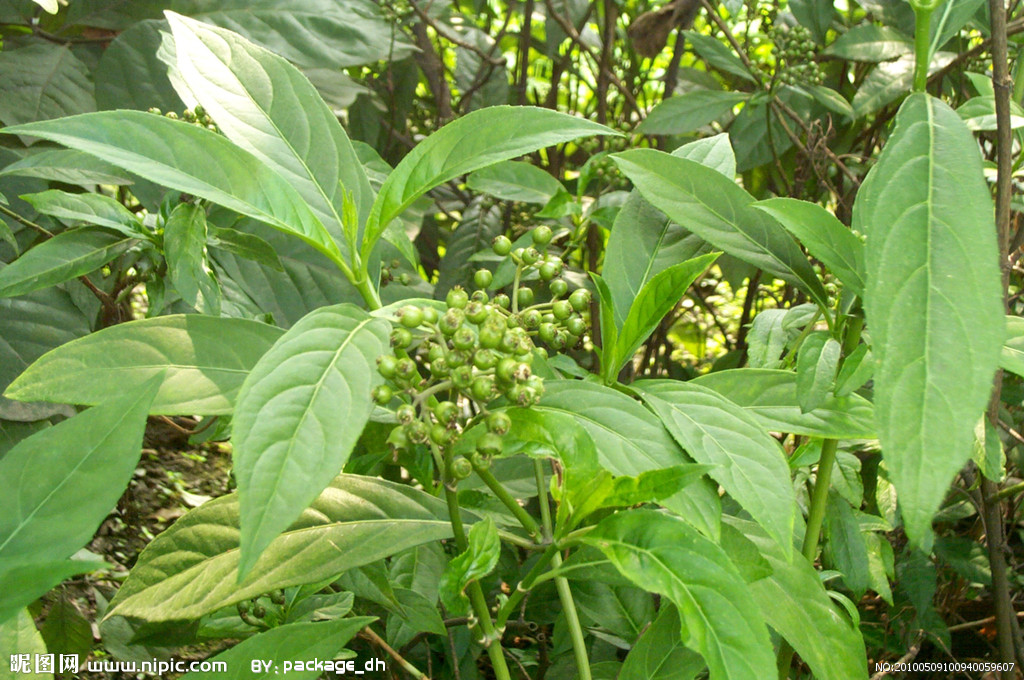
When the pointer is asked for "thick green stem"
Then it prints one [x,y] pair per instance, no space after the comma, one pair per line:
[572,619]
[528,522]
[922,43]
[368,292]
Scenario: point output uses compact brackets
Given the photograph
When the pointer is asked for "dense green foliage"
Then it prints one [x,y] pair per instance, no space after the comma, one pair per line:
[549,339]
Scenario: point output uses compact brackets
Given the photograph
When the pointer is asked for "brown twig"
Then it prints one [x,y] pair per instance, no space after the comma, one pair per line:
[911,654]
[368,634]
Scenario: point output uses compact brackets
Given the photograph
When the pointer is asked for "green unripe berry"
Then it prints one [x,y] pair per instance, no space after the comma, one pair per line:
[405,369]
[405,279]
[417,432]
[457,358]
[482,388]
[410,316]
[531,255]
[491,334]
[542,235]
[562,309]
[440,435]
[440,368]
[580,299]
[464,339]
[482,278]
[489,444]
[524,296]
[517,255]
[522,372]
[531,318]
[406,414]
[398,440]
[451,321]
[435,352]
[479,296]
[499,423]
[558,287]
[502,301]
[457,298]
[480,460]
[386,365]
[461,468]
[547,332]
[446,412]
[514,321]
[429,315]
[548,271]
[509,342]
[401,337]
[476,312]
[382,394]
[501,245]
[576,325]
[258,610]
[277,597]
[462,377]
[485,359]
[506,370]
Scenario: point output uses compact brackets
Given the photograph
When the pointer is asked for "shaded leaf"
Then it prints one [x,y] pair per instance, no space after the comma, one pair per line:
[65,256]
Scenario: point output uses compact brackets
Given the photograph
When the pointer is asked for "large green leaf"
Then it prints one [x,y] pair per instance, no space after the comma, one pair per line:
[655,300]
[630,441]
[933,301]
[68,166]
[870,42]
[715,208]
[660,654]
[203,360]
[23,584]
[816,368]
[191,159]
[63,257]
[299,413]
[82,463]
[267,107]
[717,55]
[95,209]
[794,603]
[749,463]
[191,569]
[771,396]
[19,635]
[476,140]
[43,80]
[281,648]
[130,74]
[663,554]
[515,181]
[827,239]
[185,253]
[685,113]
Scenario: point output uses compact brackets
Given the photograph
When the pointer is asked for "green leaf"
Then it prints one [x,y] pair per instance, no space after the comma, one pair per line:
[191,159]
[856,371]
[68,166]
[203,361]
[749,463]
[185,252]
[826,238]
[61,258]
[283,646]
[608,327]
[718,210]
[933,301]
[846,547]
[131,74]
[870,42]
[95,209]
[687,112]
[891,80]
[767,339]
[660,654]
[84,462]
[267,107]
[816,369]
[830,99]
[414,614]
[771,396]
[815,15]
[515,181]
[23,584]
[794,603]
[949,20]
[19,635]
[662,554]
[1012,357]
[43,80]
[715,152]
[299,413]
[65,630]
[718,55]
[656,299]
[190,570]
[476,140]
[472,564]
[631,440]
[49,6]
[979,114]
[248,246]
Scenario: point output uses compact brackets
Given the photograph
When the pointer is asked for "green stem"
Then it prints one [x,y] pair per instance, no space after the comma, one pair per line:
[368,292]
[922,43]
[492,641]
[520,513]
[529,581]
[572,619]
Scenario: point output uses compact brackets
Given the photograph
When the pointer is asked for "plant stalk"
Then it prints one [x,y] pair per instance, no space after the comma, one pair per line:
[922,43]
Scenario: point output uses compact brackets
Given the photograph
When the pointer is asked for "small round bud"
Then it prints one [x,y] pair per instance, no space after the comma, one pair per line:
[410,316]
[440,435]
[277,596]
[502,301]
[517,255]
[485,359]
[417,432]
[491,334]
[499,423]
[435,352]
[446,412]
[406,414]
[542,235]
[548,271]
[401,338]
[405,279]
[558,287]
[479,296]
[482,388]
[457,298]
[462,377]
[531,318]
[576,325]
[461,468]
[483,278]
[531,255]
[386,365]
[457,358]
[580,299]
[546,332]
[465,339]
[258,610]
[506,369]
[405,369]
[440,368]
[562,309]
[398,440]
[382,394]
[480,460]
[451,321]
[524,296]
[476,312]
[501,245]
[489,444]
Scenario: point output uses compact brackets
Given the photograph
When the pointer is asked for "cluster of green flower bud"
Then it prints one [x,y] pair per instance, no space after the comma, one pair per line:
[388,274]
[254,612]
[449,364]
[795,50]
[197,116]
